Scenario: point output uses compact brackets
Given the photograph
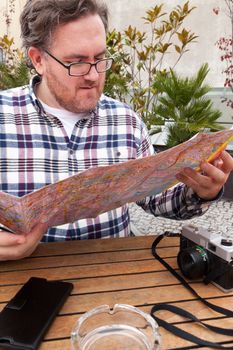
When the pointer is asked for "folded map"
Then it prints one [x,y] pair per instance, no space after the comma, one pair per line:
[100,189]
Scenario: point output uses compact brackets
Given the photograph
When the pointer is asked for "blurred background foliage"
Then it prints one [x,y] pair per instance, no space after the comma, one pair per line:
[13,69]
[141,56]
[141,75]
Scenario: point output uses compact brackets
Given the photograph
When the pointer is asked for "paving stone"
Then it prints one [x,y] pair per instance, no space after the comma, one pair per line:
[218,218]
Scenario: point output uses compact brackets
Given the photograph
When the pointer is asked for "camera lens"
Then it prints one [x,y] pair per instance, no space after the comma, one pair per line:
[193,262]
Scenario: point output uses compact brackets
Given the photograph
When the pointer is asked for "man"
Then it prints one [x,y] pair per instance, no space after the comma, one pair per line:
[61,124]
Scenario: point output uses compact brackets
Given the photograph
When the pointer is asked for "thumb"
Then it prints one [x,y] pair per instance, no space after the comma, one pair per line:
[227,162]
[37,233]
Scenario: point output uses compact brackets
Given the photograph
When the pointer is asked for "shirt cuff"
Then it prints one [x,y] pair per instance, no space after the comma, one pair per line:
[200,200]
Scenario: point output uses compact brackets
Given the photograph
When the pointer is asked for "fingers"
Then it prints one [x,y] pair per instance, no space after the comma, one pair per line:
[192,179]
[212,172]
[218,163]
[37,233]
[207,183]
[10,239]
[227,159]
[217,171]
[14,246]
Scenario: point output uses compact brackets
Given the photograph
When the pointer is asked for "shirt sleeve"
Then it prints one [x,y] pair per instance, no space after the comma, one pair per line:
[178,202]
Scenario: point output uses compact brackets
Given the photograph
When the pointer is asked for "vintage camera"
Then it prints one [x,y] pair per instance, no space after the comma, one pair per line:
[208,255]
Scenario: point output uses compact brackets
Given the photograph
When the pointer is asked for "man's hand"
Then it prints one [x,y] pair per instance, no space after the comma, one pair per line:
[13,247]
[208,182]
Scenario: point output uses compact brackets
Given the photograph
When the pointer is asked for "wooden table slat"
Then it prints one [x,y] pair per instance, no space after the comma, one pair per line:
[64,324]
[114,271]
[100,245]
[85,259]
[75,272]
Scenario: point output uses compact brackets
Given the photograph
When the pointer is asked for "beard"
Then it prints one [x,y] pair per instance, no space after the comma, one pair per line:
[74,98]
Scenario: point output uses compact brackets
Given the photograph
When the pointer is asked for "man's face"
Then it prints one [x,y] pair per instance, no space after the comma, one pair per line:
[83,40]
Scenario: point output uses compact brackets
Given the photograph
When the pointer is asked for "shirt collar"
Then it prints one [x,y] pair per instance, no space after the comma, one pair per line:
[33,82]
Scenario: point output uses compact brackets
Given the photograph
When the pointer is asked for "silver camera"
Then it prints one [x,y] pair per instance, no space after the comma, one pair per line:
[208,255]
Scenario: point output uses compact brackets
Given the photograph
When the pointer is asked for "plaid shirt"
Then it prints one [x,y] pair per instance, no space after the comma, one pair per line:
[36,151]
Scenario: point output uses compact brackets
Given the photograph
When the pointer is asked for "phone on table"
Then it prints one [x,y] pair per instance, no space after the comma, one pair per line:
[27,316]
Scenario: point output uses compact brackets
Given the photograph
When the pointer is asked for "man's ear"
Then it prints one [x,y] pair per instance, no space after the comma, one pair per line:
[37,58]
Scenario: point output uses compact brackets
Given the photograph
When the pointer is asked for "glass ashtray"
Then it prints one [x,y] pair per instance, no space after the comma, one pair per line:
[124,327]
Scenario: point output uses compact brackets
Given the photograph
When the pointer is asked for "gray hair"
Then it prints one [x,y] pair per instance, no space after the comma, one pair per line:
[40,18]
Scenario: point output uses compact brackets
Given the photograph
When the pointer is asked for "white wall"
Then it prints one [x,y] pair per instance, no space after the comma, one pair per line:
[202,21]
[14,29]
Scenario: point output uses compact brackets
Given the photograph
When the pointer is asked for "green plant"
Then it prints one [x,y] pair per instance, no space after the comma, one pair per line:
[184,106]
[140,57]
[13,70]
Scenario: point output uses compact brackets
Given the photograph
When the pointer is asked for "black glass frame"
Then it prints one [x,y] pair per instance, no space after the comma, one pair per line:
[69,65]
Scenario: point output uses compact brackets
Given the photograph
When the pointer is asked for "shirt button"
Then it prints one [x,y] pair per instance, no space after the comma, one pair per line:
[71,152]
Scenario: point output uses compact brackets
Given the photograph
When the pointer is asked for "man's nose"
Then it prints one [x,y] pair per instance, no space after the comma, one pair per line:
[92,74]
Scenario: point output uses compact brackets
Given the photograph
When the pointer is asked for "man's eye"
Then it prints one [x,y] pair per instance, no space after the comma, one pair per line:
[73,62]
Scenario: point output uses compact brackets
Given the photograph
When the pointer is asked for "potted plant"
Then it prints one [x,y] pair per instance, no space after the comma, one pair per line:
[141,55]
[183,105]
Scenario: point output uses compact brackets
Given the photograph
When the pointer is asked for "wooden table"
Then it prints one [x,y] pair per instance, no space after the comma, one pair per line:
[114,271]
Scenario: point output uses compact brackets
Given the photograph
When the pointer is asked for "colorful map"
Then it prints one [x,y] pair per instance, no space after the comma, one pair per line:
[100,189]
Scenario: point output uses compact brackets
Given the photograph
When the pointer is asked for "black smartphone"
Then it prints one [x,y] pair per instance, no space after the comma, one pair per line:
[26,318]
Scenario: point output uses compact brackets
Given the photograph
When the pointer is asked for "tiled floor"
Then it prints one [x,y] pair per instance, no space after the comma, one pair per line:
[218,218]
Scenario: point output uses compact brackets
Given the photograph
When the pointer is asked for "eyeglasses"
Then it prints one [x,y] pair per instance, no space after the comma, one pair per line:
[77,69]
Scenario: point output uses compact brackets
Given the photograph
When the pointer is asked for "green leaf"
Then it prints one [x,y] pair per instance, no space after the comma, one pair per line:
[140,59]
[178,49]
[184,102]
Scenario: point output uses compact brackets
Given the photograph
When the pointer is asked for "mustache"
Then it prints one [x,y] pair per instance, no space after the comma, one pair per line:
[89,85]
